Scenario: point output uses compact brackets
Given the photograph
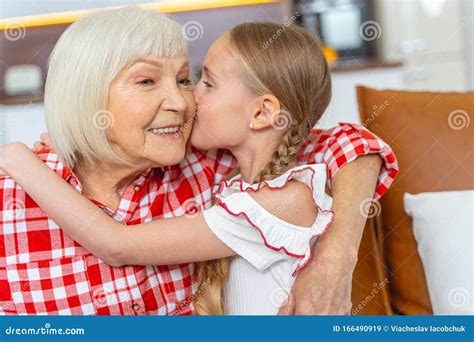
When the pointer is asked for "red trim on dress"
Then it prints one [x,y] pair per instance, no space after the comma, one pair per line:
[260,186]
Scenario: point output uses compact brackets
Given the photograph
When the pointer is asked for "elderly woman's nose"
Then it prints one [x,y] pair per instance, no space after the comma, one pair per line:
[174,101]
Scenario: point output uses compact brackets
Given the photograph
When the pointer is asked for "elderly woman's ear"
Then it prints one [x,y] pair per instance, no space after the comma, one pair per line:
[45,141]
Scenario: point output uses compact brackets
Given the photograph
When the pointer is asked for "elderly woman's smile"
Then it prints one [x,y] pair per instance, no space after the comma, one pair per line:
[173,131]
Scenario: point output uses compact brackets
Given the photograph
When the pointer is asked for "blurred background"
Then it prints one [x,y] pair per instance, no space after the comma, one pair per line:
[398,44]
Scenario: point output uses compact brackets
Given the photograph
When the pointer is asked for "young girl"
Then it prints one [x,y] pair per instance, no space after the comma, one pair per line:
[263,87]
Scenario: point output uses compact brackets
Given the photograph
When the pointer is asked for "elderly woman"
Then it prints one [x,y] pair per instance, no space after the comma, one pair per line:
[119,109]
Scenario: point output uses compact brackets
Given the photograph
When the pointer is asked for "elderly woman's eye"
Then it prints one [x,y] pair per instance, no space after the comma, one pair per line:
[185,82]
[147,81]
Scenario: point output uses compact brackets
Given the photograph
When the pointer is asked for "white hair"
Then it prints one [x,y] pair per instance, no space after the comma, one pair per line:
[85,60]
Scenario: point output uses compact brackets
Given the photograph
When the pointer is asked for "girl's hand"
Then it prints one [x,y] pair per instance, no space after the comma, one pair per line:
[8,153]
[45,141]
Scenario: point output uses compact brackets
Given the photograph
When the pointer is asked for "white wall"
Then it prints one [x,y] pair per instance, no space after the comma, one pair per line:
[468,19]
[21,123]
[343,106]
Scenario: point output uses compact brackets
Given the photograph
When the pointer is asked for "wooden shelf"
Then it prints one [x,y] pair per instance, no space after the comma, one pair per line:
[361,65]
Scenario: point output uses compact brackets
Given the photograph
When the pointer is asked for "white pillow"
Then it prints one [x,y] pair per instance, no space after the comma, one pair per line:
[443,224]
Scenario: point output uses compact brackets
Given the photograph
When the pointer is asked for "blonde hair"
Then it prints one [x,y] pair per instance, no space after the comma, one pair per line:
[85,60]
[287,62]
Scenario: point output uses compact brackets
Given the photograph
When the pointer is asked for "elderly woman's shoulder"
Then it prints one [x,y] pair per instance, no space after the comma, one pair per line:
[49,156]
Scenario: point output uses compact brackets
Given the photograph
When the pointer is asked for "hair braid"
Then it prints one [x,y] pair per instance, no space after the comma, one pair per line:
[212,276]
[285,155]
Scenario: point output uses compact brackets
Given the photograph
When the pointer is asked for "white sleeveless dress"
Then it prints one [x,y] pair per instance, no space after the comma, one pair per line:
[270,251]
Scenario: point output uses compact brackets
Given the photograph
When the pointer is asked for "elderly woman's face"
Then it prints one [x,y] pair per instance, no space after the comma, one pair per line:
[151,102]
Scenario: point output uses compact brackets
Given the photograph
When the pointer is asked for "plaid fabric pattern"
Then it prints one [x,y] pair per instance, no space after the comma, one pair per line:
[44,272]
[341,145]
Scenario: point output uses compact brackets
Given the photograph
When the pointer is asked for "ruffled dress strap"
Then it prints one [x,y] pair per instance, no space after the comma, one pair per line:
[261,237]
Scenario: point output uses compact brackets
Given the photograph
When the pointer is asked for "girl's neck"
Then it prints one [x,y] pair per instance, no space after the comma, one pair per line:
[253,157]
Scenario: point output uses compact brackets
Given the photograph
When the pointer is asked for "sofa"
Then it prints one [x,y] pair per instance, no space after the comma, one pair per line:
[433,139]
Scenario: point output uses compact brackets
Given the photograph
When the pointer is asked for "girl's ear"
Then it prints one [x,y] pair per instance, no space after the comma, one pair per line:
[268,107]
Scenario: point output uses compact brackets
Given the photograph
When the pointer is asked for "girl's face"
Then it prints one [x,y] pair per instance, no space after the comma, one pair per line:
[224,104]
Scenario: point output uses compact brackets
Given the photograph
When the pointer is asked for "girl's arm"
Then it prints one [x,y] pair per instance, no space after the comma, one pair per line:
[160,242]
[165,241]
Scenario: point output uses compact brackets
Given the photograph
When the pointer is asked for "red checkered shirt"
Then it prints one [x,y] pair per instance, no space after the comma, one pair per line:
[43,271]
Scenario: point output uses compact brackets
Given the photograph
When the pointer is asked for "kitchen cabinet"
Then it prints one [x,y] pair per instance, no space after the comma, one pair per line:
[430,37]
